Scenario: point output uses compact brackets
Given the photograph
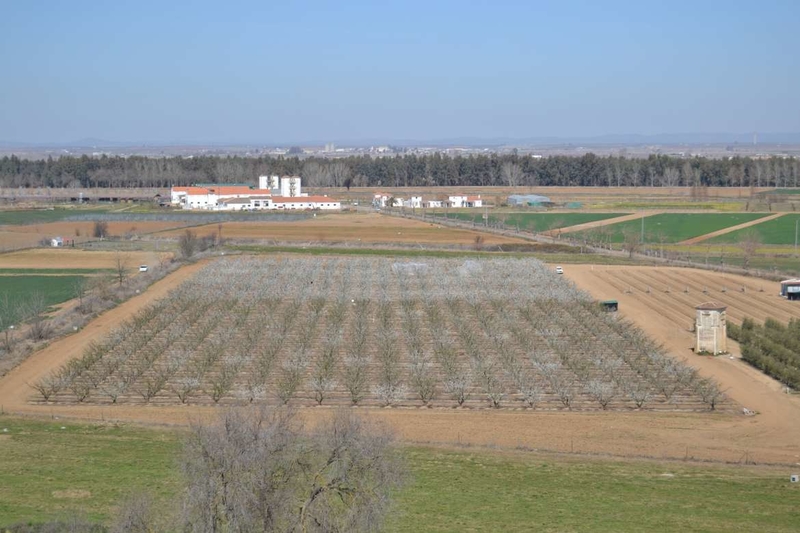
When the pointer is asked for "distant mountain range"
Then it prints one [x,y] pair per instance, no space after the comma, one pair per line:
[610,139]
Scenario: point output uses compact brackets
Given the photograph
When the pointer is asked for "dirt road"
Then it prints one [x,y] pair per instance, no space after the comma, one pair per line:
[776,422]
[599,223]
[723,231]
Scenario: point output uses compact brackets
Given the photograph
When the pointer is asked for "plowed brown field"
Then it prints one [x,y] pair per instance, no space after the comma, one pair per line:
[16,236]
[76,258]
[362,227]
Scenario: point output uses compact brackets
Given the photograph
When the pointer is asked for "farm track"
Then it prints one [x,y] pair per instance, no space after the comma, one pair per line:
[599,223]
[701,238]
[775,424]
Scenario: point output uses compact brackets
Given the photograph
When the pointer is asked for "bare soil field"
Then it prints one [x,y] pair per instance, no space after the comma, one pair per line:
[770,436]
[371,228]
[76,258]
[669,316]
[16,236]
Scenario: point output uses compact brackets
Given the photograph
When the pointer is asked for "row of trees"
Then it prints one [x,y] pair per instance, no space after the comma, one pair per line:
[773,348]
[371,331]
[403,171]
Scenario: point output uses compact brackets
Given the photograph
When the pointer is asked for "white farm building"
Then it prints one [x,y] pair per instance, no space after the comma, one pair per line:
[274,193]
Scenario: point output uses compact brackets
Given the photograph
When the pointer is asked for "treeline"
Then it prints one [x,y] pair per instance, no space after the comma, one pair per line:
[772,348]
[403,171]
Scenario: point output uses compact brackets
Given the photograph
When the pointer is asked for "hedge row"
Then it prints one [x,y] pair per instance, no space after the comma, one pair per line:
[772,348]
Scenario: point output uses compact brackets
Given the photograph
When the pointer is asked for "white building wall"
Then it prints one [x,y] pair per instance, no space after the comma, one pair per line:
[458,201]
[200,201]
[176,197]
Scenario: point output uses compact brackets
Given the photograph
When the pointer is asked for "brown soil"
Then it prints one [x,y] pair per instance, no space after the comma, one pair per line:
[76,258]
[770,436]
[723,231]
[369,228]
[14,236]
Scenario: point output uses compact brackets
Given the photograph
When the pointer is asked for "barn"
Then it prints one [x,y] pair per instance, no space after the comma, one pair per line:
[531,200]
[790,289]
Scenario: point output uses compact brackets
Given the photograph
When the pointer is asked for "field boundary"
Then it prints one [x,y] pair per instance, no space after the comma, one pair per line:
[651,256]
[599,223]
[731,229]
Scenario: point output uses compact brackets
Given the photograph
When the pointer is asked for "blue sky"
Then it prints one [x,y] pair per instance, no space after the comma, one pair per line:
[276,72]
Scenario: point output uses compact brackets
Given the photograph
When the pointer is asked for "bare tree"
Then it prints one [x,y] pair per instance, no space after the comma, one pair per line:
[8,315]
[187,243]
[632,241]
[339,174]
[120,268]
[100,229]
[512,174]
[671,178]
[256,470]
[749,243]
[79,290]
[34,310]
[316,175]
[137,515]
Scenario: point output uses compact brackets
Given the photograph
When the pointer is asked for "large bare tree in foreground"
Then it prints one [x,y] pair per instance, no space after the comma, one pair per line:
[256,469]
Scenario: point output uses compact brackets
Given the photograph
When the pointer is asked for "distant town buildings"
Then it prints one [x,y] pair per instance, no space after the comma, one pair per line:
[273,193]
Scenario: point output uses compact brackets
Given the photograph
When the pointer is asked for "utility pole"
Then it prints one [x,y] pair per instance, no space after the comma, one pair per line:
[796,222]
[642,239]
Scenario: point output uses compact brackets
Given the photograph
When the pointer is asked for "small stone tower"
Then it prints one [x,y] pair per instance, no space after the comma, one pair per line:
[710,328]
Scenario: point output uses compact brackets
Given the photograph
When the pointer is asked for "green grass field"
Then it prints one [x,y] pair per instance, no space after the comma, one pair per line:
[56,271]
[780,230]
[41,216]
[537,222]
[676,227]
[48,473]
[18,288]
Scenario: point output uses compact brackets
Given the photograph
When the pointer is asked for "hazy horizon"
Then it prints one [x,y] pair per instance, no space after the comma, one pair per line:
[421,71]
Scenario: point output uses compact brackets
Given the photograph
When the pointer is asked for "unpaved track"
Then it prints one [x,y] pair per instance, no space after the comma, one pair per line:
[667,317]
[15,387]
[599,223]
[773,436]
[723,231]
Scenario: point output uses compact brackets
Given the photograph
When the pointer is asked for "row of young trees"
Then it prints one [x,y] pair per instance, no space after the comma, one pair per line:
[772,347]
[355,331]
[403,171]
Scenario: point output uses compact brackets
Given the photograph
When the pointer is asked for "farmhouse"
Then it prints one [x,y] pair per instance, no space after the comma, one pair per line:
[381,199]
[466,201]
[273,193]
